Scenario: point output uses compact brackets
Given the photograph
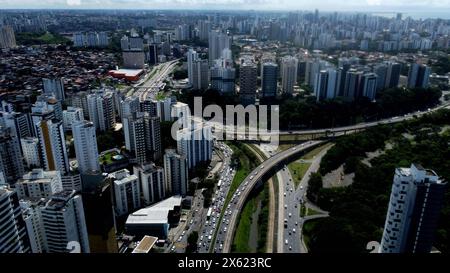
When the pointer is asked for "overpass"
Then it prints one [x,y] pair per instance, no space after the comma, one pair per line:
[242,133]
[262,173]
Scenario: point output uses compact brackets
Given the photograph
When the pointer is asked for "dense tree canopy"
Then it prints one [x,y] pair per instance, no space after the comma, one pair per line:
[357,212]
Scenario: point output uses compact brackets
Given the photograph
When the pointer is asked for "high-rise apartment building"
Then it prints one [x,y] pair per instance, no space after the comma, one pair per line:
[7,37]
[54,222]
[11,164]
[195,143]
[71,116]
[200,76]
[39,184]
[217,42]
[175,173]
[151,179]
[289,66]
[53,146]
[142,137]
[223,76]
[418,76]
[55,87]
[127,192]
[13,232]
[269,79]
[369,85]
[85,142]
[101,108]
[30,151]
[248,82]
[414,208]
[192,57]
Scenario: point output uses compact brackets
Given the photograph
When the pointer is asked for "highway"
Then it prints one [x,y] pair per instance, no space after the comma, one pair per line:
[155,82]
[242,192]
[211,223]
[251,133]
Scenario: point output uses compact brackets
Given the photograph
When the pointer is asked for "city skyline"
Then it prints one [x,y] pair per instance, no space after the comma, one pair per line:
[223,131]
[430,8]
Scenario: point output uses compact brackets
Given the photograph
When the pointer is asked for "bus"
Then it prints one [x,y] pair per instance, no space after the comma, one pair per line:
[208,215]
[219,184]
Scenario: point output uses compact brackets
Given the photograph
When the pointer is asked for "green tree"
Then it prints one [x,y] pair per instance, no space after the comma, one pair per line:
[192,242]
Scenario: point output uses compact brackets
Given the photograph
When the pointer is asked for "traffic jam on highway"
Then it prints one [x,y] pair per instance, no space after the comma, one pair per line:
[213,215]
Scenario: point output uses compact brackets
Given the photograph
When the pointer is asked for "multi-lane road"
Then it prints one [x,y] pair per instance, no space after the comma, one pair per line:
[211,223]
[252,133]
[243,191]
[155,80]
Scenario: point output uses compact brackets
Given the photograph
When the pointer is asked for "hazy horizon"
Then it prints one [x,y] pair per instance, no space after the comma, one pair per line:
[430,7]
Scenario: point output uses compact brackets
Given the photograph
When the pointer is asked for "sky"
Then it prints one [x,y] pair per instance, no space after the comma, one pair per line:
[430,6]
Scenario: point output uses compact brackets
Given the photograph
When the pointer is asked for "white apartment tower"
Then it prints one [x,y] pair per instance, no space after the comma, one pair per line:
[175,173]
[192,57]
[414,208]
[151,178]
[102,110]
[13,232]
[195,143]
[30,151]
[72,115]
[39,184]
[127,193]
[63,221]
[86,150]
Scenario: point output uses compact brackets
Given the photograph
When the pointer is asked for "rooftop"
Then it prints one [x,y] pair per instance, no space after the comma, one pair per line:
[146,244]
[155,214]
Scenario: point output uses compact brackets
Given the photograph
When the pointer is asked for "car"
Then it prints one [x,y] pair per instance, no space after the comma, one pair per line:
[225,229]
[290,214]
[296,223]
[262,167]
[290,247]
[284,193]
[209,238]
[183,233]
[293,230]
[285,206]
[173,248]
[292,189]
[211,232]
[201,238]
[220,246]
[180,238]
[286,242]
[301,187]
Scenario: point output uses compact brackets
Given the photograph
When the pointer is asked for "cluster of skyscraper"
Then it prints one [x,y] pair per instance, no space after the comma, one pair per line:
[38,178]
[354,81]
[91,39]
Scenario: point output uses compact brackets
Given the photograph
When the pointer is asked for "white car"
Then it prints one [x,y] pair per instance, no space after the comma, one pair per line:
[293,230]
